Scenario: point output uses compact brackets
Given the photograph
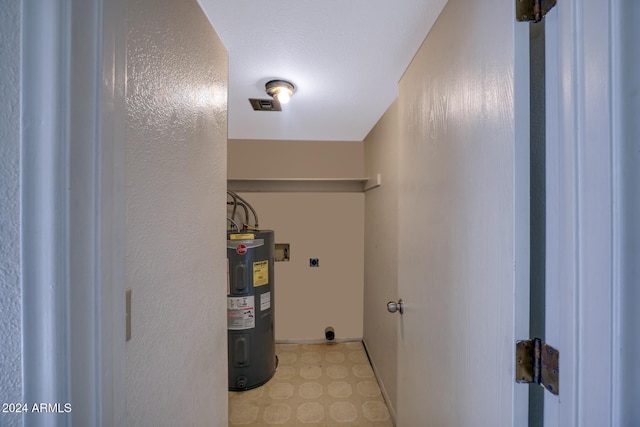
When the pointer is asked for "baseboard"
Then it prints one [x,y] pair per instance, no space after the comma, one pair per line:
[385,395]
[317,341]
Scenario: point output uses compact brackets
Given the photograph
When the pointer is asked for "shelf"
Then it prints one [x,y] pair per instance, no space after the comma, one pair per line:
[302,185]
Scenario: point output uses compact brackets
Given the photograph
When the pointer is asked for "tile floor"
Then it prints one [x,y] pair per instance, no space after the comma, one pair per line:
[315,385]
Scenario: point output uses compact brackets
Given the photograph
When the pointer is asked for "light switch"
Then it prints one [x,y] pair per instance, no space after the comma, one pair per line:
[128,314]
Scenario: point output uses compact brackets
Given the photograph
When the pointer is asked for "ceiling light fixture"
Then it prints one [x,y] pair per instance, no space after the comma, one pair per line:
[280,90]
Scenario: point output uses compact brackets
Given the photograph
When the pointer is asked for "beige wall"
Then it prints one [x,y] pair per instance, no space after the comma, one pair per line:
[327,226]
[175,192]
[381,251]
[456,221]
[295,159]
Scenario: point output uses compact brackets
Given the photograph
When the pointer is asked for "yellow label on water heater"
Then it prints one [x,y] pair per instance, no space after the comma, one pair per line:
[247,236]
[260,273]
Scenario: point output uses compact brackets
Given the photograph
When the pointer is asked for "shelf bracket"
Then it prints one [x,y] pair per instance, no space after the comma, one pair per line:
[373,183]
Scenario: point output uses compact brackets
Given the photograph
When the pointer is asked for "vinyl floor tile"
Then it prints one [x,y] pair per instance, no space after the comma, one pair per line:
[330,385]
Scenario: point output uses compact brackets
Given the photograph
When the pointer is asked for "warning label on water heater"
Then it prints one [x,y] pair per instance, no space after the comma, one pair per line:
[260,273]
[241,313]
[265,301]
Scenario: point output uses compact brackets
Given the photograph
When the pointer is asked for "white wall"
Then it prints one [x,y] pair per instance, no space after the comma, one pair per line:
[381,252]
[10,294]
[175,208]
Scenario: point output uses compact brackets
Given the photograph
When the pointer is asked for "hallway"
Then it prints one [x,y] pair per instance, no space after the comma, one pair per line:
[115,162]
[315,385]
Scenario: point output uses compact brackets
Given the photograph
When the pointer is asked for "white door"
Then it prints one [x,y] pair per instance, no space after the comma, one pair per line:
[592,203]
[463,220]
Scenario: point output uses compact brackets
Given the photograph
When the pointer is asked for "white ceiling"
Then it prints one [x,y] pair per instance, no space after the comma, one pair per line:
[344,56]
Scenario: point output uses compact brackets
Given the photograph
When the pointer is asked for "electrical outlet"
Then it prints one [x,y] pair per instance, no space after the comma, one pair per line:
[314,262]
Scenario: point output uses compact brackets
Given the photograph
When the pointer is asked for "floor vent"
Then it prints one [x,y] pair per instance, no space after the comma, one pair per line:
[265,104]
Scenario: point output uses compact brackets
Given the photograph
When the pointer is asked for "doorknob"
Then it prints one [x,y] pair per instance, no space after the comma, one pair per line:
[393,306]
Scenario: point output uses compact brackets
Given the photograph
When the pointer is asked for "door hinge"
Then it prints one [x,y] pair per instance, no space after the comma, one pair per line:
[533,10]
[537,363]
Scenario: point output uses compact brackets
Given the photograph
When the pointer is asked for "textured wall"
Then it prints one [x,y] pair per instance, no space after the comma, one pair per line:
[175,193]
[381,251]
[10,296]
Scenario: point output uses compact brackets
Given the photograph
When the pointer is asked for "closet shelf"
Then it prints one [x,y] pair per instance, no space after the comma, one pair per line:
[302,185]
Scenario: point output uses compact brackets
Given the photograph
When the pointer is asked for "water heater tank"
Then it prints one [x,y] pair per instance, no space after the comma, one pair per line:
[250,308]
